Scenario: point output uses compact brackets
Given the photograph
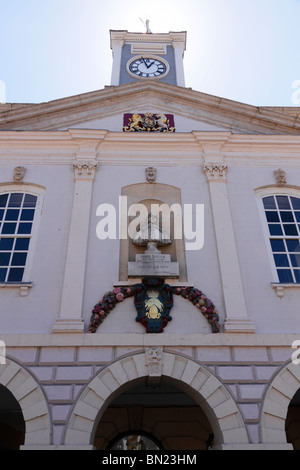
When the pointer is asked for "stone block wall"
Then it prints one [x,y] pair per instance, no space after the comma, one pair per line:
[242,367]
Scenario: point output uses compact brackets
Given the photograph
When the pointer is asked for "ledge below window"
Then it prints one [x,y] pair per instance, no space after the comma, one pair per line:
[23,286]
[280,288]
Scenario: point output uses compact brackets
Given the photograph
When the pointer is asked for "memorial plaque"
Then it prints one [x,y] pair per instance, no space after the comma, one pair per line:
[153,265]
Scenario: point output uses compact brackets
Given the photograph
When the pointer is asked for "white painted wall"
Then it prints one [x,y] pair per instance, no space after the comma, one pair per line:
[179,164]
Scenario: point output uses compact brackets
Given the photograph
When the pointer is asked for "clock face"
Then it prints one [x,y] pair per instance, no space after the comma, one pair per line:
[148,67]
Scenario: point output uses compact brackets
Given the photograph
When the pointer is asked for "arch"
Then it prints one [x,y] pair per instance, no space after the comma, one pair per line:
[202,385]
[270,189]
[31,400]
[275,406]
[146,194]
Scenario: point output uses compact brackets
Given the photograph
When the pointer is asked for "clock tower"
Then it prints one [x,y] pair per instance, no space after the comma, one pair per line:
[147,56]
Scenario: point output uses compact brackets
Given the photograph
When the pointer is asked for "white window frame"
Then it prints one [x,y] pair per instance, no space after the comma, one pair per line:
[38,191]
[261,193]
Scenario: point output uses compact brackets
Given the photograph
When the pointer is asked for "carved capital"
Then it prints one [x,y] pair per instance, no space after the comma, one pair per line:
[85,169]
[215,171]
[154,361]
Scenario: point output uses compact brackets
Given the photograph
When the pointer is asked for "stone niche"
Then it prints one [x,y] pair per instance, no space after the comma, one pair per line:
[139,260]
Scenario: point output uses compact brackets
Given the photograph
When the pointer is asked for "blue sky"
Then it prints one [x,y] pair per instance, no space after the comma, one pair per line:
[243,50]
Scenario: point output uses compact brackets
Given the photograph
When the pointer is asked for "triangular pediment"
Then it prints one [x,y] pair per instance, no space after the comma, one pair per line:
[192,111]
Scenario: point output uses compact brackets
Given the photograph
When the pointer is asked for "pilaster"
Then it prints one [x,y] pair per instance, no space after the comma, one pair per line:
[178,52]
[116,45]
[237,320]
[70,317]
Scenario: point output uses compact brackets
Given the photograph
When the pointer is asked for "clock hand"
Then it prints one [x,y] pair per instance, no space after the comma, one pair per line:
[144,61]
[148,66]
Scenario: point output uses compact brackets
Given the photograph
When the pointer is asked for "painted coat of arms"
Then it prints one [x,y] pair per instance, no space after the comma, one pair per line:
[153,301]
[148,122]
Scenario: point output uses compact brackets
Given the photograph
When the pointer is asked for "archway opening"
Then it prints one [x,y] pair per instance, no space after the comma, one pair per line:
[12,424]
[292,422]
[156,413]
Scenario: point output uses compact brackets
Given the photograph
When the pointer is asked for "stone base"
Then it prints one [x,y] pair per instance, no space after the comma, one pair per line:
[68,326]
[239,325]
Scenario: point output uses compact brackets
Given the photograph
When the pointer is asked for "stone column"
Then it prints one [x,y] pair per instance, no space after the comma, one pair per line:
[70,317]
[236,311]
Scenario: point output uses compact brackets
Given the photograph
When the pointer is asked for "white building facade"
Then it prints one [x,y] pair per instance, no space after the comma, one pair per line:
[81,367]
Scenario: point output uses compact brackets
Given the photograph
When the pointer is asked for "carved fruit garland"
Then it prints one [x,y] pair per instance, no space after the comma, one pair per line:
[110,299]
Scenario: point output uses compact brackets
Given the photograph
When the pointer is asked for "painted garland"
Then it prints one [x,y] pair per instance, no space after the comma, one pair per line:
[110,299]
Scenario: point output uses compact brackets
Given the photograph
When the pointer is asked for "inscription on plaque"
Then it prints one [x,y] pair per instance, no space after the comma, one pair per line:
[153,265]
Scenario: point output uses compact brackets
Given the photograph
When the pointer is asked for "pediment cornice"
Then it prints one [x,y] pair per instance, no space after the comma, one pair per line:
[230,115]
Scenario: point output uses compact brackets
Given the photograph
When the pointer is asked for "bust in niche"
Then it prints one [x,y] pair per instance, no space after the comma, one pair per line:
[152,235]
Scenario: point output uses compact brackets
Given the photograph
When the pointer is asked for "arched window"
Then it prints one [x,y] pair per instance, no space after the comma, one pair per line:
[282,213]
[17,218]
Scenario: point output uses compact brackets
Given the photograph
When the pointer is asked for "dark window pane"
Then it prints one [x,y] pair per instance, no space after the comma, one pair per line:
[4,259]
[277,245]
[24,228]
[272,216]
[6,244]
[15,275]
[275,229]
[295,259]
[281,261]
[290,229]
[9,229]
[15,200]
[287,216]
[1,213]
[22,244]
[12,214]
[297,274]
[285,275]
[30,201]
[19,259]
[293,245]
[297,215]
[27,214]
[269,202]
[2,274]
[283,202]
[296,203]
[3,200]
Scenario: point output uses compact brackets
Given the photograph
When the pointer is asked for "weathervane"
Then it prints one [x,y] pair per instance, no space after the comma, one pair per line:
[146,24]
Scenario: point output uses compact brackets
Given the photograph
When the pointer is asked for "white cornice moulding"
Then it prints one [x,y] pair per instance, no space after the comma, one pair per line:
[171,37]
[136,339]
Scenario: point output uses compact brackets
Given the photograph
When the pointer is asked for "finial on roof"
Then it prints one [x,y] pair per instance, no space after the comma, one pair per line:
[146,24]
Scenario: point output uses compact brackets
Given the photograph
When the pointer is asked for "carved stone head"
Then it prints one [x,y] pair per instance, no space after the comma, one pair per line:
[280,176]
[151,174]
[19,173]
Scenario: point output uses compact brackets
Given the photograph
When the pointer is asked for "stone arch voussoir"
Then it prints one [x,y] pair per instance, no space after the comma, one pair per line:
[207,390]
[276,402]
[32,401]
